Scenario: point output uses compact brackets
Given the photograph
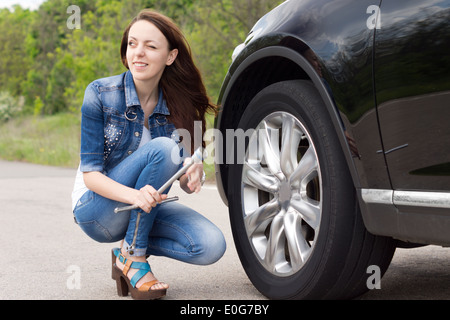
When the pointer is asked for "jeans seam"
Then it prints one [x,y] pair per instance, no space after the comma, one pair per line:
[185,234]
[98,226]
[80,204]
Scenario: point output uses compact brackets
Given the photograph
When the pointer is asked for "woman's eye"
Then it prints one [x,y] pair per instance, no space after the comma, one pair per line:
[131,43]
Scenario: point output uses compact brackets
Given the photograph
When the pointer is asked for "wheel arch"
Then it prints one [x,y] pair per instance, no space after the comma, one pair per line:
[258,70]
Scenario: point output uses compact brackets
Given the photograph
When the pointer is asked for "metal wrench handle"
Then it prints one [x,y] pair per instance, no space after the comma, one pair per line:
[196,158]
[128,208]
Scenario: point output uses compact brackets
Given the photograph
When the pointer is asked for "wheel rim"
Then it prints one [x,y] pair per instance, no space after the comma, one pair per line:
[281,193]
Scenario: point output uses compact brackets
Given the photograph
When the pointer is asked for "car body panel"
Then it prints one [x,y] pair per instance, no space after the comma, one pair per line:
[346,46]
[412,80]
[412,85]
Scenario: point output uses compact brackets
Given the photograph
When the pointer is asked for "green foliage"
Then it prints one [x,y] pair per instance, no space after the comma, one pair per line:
[14,58]
[10,107]
[38,106]
[50,65]
[214,28]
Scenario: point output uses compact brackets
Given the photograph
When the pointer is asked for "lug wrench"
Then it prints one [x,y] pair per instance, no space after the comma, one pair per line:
[196,158]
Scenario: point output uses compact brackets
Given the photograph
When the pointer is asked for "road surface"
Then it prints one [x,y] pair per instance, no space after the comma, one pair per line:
[51,258]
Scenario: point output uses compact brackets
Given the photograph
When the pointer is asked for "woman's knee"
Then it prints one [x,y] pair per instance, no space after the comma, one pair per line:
[165,150]
[210,248]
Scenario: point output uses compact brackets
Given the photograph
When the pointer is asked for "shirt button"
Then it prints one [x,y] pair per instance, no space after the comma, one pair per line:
[130,152]
[137,134]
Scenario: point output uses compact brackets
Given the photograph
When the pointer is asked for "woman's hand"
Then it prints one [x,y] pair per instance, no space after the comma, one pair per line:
[147,198]
[191,181]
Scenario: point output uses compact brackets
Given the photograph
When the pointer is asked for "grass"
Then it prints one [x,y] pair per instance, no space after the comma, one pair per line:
[50,140]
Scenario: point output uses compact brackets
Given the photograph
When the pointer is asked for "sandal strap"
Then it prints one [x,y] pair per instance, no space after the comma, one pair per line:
[148,285]
[134,264]
[134,280]
[143,267]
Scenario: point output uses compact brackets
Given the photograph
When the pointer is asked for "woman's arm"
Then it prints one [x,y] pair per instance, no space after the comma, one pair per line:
[145,198]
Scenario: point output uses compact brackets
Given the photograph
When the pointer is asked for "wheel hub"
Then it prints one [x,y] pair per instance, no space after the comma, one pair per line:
[284,194]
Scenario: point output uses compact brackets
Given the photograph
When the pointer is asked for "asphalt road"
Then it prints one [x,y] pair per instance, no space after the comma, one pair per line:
[47,256]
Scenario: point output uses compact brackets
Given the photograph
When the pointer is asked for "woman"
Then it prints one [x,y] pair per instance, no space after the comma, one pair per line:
[127,154]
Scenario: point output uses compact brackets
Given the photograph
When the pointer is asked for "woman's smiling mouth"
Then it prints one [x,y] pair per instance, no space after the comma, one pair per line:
[140,64]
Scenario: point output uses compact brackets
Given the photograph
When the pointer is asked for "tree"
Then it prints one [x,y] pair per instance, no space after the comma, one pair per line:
[13,46]
[218,27]
[51,64]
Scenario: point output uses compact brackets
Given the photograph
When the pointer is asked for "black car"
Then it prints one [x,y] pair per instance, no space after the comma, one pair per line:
[335,142]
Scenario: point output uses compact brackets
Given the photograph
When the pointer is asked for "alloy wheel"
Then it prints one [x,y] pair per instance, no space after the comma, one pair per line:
[281,193]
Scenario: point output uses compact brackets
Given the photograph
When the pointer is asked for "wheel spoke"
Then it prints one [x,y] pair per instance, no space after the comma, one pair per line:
[270,151]
[259,180]
[263,215]
[309,210]
[299,249]
[275,245]
[308,164]
[289,145]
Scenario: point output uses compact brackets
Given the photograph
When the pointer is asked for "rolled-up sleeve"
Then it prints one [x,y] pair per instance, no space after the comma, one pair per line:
[92,132]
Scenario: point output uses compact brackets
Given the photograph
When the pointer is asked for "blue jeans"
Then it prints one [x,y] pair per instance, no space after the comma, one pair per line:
[170,229]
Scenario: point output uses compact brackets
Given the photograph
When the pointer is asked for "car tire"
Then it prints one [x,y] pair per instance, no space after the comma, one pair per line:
[293,207]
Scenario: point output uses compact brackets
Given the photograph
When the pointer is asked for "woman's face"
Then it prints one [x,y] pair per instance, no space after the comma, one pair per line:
[148,51]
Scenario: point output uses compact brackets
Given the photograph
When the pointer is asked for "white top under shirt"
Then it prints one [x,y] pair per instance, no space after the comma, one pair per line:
[79,188]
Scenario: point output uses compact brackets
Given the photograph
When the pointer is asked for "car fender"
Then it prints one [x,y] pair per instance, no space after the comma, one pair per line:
[269,47]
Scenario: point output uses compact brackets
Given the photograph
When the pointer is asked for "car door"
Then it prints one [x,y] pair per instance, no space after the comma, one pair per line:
[412,85]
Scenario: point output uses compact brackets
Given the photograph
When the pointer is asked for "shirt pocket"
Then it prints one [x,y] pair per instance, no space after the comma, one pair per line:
[160,126]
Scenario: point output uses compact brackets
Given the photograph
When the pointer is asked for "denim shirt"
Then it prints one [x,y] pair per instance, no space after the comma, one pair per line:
[112,122]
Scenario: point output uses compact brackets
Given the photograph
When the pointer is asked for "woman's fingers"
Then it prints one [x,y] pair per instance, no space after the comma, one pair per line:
[194,175]
[150,198]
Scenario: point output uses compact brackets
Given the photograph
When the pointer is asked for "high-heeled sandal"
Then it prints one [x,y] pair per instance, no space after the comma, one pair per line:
[125,285]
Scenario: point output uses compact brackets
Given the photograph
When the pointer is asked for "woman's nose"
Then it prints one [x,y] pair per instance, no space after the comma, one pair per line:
[140,50]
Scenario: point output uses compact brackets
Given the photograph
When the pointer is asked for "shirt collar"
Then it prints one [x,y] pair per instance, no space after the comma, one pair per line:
[132,99]
[161,107]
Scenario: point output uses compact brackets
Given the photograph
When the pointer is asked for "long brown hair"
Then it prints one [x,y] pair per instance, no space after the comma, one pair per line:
[181,82]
